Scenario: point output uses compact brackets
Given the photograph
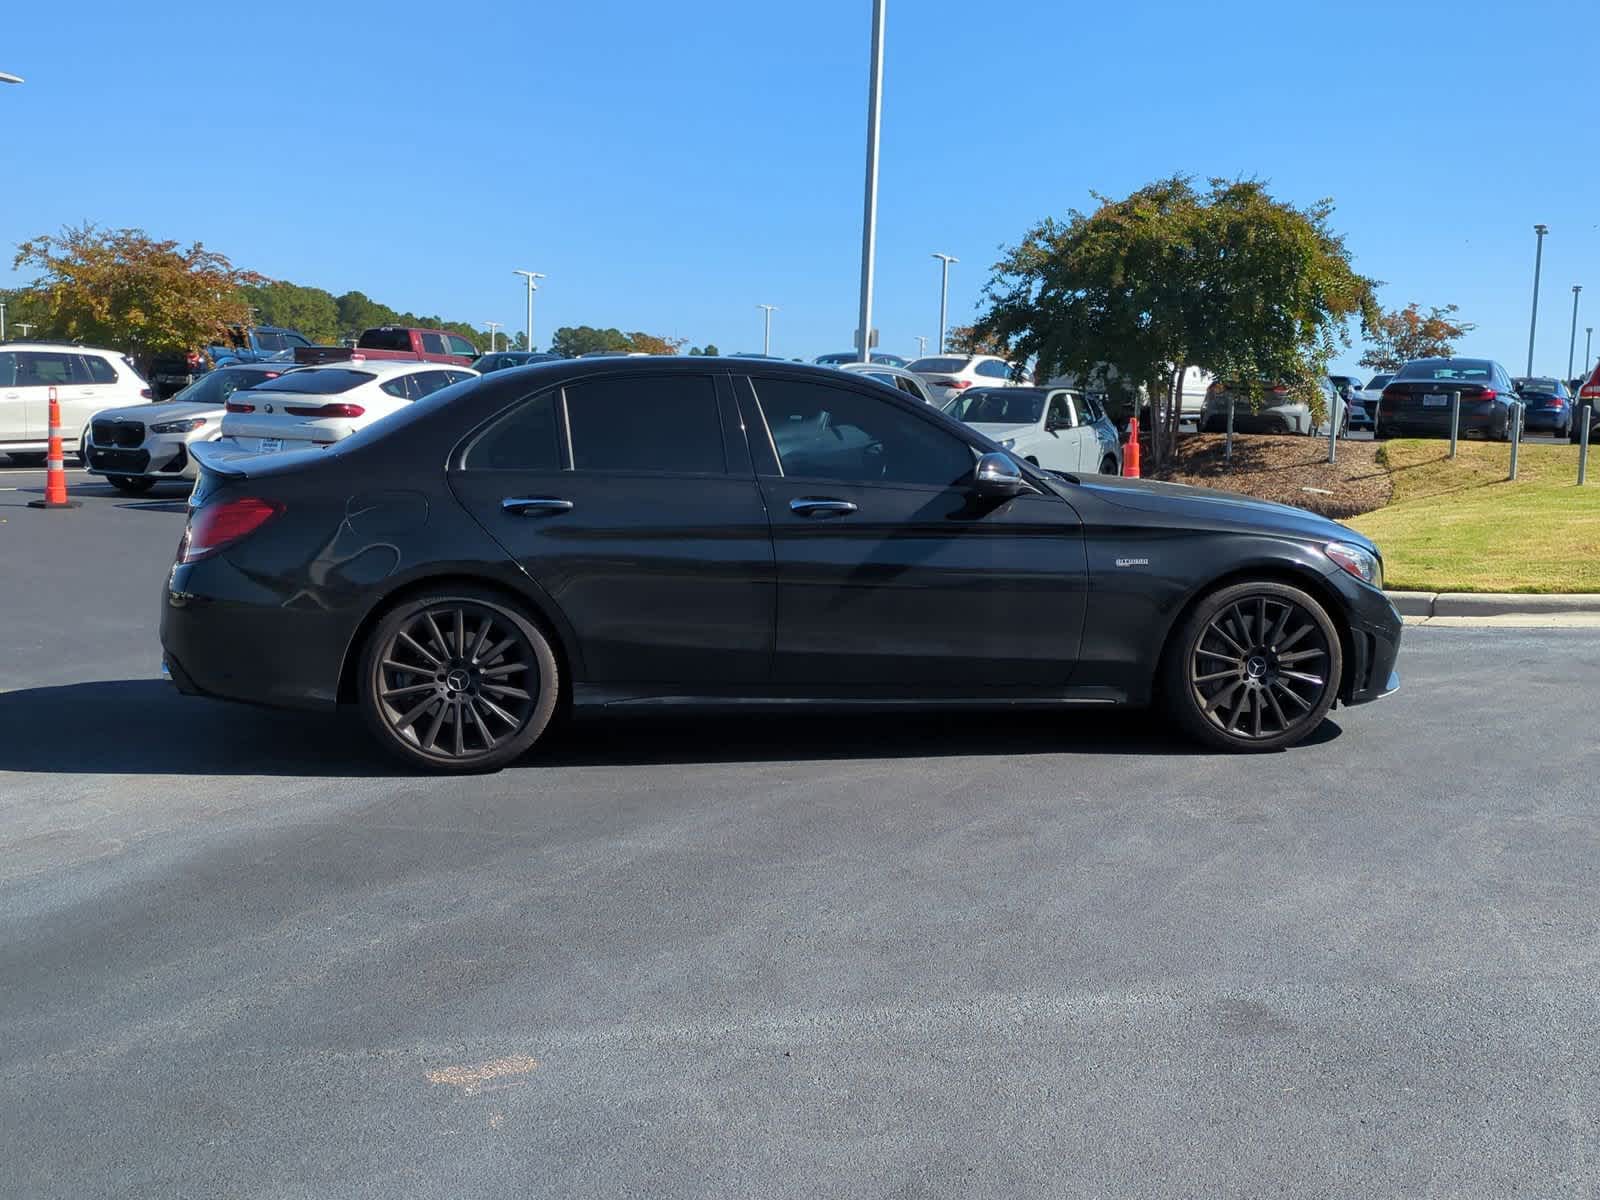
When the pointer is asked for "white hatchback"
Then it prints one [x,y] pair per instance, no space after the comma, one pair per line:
[85,380]
[948,375]
[318,406]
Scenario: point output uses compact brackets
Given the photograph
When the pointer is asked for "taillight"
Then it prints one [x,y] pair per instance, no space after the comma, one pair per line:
[325,410]
[1280,390]
[960,385]
[1395,394]
[147,393]
[221,525]
[1589,391]
[192,359]
[239,406]
[1487,394]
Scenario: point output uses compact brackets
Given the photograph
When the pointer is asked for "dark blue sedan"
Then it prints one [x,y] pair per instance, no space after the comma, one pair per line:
[1547,406]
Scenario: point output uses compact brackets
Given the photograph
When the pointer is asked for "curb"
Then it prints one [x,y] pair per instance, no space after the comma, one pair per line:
[1427,605]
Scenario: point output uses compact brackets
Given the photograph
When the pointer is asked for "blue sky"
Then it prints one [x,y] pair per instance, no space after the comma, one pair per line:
[671,166]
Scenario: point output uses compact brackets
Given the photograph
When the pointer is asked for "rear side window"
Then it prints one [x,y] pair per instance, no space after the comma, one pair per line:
[8,369]
[646,423]
[426,383]
[433,343]
[100,371]
[328,382]
[35,369]
[385,339]
[994,370]
[400,388]
[525,439]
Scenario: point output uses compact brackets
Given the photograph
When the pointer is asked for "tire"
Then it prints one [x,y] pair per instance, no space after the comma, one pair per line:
[1251,656]
[1108,466]
[132,485]
[458,681]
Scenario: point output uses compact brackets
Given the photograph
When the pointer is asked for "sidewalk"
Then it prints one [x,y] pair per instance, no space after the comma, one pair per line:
[1493,608]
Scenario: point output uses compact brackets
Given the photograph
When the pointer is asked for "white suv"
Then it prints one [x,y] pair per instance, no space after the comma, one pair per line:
[948,375]
[86,380]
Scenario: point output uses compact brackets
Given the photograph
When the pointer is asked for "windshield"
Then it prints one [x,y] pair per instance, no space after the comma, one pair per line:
[1464,369]
[938,366]
[998,406]
[328,381]
[215,387]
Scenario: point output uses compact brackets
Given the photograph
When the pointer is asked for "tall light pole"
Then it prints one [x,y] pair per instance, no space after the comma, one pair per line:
[1588,337]
[869,217]
[766,337]
[2,320]
[27,327]
[1572,342]
[1538,262]
[922,346]
[533,287]
[944,292]
[491,326]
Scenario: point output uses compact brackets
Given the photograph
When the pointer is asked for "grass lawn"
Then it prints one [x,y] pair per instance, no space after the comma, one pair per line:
[1463,527]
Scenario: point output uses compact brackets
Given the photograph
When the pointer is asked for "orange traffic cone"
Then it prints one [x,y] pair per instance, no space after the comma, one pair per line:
[55,483]
[1130,455]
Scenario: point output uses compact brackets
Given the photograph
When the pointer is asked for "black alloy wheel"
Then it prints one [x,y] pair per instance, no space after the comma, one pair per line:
[133,485]
[1255,668]
[1108,466]
[458,682]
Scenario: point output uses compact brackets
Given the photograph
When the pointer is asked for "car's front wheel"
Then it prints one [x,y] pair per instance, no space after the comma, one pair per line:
[458,681]
[1255,667]
[132,485]
[1108,465]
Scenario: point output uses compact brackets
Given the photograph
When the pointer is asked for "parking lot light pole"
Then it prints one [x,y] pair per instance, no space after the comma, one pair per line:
[491,326]
[869,217]
[944,292]
[533,287]
[1538,263]
[2,320]
[922,345]
[1572,342]
[766,335]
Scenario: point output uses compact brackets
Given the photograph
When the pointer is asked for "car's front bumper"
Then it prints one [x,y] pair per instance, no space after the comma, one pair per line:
[1375,626]
[158,456]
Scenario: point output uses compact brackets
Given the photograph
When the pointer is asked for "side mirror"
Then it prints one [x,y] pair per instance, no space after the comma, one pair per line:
[998,478]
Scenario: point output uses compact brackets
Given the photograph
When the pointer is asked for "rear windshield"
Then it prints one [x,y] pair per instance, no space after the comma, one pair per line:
[938,366]
[1542,387]
[328,381]
[385,339]
[1377,381]
[1466,369]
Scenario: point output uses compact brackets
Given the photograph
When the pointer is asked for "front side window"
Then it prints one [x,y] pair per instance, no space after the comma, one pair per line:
[100,371]
[460,345]
[270,340]
[646,423]
[825,432]
[1060,412]
[425,383]
[525,439]
[8,369]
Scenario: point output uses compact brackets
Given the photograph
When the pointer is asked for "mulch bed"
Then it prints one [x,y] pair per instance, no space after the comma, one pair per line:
[1283,468]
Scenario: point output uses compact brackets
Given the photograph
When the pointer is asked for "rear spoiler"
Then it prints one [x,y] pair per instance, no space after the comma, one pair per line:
[221,460]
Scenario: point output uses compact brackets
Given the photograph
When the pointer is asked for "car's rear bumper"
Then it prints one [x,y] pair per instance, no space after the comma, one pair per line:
[1546,418]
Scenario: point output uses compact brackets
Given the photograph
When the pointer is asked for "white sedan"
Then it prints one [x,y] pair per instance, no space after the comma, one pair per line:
[318,406]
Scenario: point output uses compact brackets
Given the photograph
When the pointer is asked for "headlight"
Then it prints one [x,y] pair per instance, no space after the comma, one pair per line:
[188,426]
[1008,443]
[1363,564]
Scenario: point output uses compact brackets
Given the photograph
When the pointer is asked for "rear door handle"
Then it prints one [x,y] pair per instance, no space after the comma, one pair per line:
[535,506]
[819,506]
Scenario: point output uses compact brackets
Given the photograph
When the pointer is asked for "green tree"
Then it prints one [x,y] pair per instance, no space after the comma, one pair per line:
[125,289]
[358,312]
[311,310]
[573,340]
[649,343]
[1228,279]
[1400,335]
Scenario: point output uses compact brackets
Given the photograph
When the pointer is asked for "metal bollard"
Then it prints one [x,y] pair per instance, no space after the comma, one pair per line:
[1333,430]
[1516,434]
[1583,443]
[1455,420]
[1227,454]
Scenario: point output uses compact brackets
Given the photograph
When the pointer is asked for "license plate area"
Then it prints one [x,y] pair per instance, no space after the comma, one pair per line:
[270,445]
[1435,400]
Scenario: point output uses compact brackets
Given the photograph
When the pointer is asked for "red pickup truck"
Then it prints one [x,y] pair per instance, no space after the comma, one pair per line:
[393,341]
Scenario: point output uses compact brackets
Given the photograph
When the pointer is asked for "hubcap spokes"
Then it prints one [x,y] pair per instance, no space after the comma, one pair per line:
[457,680]
[1260,668]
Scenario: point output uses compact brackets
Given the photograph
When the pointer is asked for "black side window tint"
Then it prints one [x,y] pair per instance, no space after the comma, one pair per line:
[829,433]
[8,369]
[645,423]
[522,440]
[428,382]
[395,388]
[432,343]
[100,371]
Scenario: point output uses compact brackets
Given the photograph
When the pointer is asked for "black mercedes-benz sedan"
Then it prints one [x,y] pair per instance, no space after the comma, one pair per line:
[719,532]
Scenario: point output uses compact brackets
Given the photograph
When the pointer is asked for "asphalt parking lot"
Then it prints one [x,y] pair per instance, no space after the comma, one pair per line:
[241,954]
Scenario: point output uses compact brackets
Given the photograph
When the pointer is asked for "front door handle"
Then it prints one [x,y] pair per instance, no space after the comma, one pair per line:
[535,506]
[819,506]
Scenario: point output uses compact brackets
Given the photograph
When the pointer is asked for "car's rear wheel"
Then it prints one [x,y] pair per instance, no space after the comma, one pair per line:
[1256,667]
[133,485]
[458,682]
